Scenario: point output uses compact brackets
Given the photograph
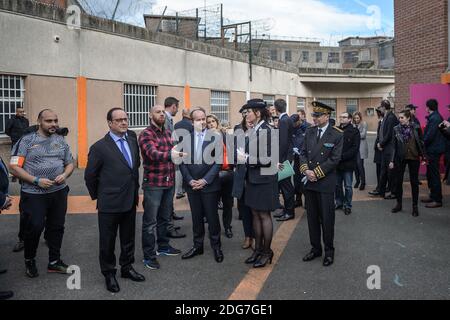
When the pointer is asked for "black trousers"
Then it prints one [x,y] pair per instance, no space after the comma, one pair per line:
[287,189]
[23,222]
[360,172]
[413,166]
[108,225]
[321,216]
[226,182]
[387,176]
[247,218]
[205,205]
[434,177]
[44,211]
[378,170]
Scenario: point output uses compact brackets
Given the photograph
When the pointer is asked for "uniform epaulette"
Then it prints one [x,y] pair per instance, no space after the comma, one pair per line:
[338,129]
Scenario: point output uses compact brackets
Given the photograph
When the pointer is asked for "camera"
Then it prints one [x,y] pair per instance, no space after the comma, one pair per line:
[56,38]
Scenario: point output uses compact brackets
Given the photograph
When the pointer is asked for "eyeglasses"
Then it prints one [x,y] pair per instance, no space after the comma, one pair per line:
[120,120]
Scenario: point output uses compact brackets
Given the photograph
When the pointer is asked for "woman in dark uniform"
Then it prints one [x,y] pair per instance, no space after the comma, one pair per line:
[261,188]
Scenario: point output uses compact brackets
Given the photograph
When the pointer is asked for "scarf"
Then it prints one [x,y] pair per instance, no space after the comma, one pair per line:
[406,132]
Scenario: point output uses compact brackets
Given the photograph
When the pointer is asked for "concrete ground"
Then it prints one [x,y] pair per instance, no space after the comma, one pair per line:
[413,256]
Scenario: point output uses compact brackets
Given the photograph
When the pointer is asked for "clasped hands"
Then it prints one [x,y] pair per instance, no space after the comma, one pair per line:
[311,176]
[198,184]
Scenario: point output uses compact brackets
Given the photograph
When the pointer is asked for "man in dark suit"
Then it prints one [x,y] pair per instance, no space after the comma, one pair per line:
[5,204]
[184,124]
[112,178]
[202,184]
[286,131]
[347,165]
[434,148]
[318,161]
[386,146]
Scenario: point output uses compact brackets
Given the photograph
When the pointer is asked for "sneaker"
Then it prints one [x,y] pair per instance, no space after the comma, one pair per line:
[20,245]
[169,251]
[57,267]
[152,264]
[31,271]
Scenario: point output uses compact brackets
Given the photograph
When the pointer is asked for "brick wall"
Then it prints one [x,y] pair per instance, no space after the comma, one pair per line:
[421,44]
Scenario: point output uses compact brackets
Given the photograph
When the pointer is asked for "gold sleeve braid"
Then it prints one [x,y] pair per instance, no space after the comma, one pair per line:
[319,173]
[303,168]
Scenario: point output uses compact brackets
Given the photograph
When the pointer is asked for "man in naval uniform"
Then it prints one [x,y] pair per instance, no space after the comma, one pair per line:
[318,161]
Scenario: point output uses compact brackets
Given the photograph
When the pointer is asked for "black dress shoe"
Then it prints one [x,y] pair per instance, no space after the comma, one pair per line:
[3,271]
[362,187]
[192,253]
[390,197]
[415,212]
[218,255]
[253,258]
[5,295]
[356,186]
[228,233]
[375,193]
[180,195]
[347,211]
[174,234]
[328,261]
[286,217]
[311,256]
[133,275]
[176,217]
[111,283]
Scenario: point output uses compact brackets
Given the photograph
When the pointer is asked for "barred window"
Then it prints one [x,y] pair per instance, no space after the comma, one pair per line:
[269,99]
[287,56]
[138,99]
[301,104]
[333,57]
[305,56]
[12,94]
[352,105]
[332,103]
[319,56]
[274,54]
[220,105]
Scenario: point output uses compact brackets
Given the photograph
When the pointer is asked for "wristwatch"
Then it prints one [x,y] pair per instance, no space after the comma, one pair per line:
[36,181]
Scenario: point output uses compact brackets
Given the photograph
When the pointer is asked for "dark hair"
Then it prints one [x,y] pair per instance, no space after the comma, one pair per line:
[407,113]
[349,115]
[357,113]
[265,115]
[195,110]
[280,105]
[302,112]
[42,112]
[110,113]
[244,124]
[432,104]
[170,101]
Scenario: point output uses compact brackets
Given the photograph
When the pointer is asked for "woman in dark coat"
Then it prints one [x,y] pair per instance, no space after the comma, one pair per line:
[409,149]
[261,184]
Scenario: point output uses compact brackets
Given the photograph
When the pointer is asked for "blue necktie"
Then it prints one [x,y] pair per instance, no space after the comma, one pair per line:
[124,152]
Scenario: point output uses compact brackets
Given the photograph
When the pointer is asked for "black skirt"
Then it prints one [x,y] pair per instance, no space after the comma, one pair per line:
[262,197]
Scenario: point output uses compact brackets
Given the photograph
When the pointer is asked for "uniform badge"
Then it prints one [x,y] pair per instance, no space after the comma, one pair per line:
[328,145]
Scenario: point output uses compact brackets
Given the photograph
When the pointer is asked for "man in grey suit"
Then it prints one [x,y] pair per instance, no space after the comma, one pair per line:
[112,178]
[202,184]
[171,106]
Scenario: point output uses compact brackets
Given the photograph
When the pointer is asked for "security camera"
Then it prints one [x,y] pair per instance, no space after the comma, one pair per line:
[56,38]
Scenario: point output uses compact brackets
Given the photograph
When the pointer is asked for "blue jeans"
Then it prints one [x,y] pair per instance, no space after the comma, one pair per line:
[158,206]
[344,199]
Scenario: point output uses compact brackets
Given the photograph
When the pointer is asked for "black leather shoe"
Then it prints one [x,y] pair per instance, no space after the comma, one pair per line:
[263,259]
[356,186]
[3,271]
[253,258]
[347,211]
[176,217]
[218,255]
[20,245]
[415,212]
[390,197]
[228,233]
[311,256]
[362,186]
[286,217]
[5,295]
[328,261]
[180,195]
[174,234]
[133,275]
[375,193]
[111,283]
[192,253]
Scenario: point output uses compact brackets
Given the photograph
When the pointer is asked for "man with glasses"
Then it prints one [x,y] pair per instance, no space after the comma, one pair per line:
[112,178]
[347,165]
[318,161]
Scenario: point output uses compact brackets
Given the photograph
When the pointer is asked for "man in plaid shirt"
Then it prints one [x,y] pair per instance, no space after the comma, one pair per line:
[157,151]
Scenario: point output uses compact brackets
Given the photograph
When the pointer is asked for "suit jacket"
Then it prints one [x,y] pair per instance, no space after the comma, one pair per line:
[109,179]
[256,161]
[4,183]
[433,138]
[208,172]
[286,131]
[387,141]
[363,146]
[322,158]
[377,153]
